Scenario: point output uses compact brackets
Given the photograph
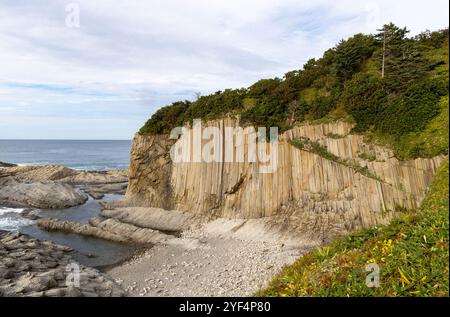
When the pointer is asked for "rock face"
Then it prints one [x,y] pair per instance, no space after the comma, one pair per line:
[149,172]
[33,268]
[42,194]
[319,197]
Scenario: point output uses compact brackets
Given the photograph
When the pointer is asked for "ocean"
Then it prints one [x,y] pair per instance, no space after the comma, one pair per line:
[77,154]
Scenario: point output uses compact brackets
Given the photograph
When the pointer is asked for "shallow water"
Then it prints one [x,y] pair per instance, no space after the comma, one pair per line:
[88,251]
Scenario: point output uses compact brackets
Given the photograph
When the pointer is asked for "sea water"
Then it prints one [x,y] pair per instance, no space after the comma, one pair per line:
[77,154]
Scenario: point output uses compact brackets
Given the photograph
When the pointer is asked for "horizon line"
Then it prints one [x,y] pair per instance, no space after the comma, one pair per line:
[65,139]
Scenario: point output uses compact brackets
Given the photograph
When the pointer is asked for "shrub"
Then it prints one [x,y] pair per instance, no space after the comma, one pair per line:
[363,97]
[414,109]
[166,118]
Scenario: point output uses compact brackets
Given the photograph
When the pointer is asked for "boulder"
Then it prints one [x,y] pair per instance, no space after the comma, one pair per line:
[41,194]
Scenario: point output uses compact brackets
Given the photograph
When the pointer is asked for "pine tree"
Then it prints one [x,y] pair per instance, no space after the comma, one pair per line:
[402,60]
[351,54]
[392,37]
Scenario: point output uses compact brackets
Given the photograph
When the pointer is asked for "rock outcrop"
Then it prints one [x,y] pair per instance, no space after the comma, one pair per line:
[33,268]
[53,186]
[64,174]
[317,197]
[4,164]
[153,218]
[119,226]
[40,194]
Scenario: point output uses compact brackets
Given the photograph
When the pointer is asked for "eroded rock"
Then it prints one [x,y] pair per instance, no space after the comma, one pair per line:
[34,268]
[41,194]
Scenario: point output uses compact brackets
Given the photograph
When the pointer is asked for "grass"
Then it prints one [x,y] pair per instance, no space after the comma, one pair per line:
[306,144]
[367,156]
[440,56]
[332,135]
[337,114]
[412,253]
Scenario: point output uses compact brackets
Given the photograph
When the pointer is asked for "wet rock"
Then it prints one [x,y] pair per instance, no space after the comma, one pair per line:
[30,214]
[34,268]
[96,195]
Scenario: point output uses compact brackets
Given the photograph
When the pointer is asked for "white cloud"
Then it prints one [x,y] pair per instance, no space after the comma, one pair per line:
[141,54]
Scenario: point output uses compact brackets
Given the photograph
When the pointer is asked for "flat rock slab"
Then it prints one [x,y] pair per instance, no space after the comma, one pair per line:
[81,229]
[63,174]
[152,218]
[114,230]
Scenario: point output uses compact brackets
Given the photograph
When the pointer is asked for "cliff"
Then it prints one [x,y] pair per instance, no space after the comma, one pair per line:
[362,185]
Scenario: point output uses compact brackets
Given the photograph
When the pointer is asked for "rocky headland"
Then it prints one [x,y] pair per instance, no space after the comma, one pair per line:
[223,229]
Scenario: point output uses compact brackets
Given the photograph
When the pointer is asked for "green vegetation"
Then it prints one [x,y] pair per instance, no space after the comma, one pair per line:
[412,253]
[367,156]
[430,141]
[306,144]
[332,135]
[391,86]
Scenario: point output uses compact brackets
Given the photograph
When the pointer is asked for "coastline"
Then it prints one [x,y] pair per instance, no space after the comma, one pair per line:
[174,253]
[35,189]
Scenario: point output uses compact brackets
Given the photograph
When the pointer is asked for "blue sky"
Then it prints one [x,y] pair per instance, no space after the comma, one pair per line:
[103,79]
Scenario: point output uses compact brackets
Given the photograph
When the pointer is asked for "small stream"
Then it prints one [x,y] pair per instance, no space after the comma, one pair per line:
[87,250]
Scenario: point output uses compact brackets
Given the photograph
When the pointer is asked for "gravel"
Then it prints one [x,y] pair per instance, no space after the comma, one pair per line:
[218,267]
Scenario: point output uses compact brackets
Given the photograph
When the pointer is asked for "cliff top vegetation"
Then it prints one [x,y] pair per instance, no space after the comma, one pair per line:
[393,87]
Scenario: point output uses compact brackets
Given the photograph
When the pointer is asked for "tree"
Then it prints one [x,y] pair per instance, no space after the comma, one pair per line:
[392,38]
[351,54]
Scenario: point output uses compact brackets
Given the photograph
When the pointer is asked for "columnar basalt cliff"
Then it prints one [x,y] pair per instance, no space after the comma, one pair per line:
[319,197]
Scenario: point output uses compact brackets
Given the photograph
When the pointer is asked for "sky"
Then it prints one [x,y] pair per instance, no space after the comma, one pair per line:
[99,69]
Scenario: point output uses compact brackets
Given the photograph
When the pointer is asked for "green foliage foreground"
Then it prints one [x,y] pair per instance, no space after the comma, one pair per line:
[412,253]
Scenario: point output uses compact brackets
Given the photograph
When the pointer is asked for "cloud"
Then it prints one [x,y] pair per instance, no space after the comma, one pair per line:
[129,58]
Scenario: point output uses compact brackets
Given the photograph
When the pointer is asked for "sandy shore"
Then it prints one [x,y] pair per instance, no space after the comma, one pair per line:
[219,267]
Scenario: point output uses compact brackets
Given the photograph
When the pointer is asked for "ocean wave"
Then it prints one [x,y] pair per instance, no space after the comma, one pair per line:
[34,164]
[6,210]
[11,219]
[14,223]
